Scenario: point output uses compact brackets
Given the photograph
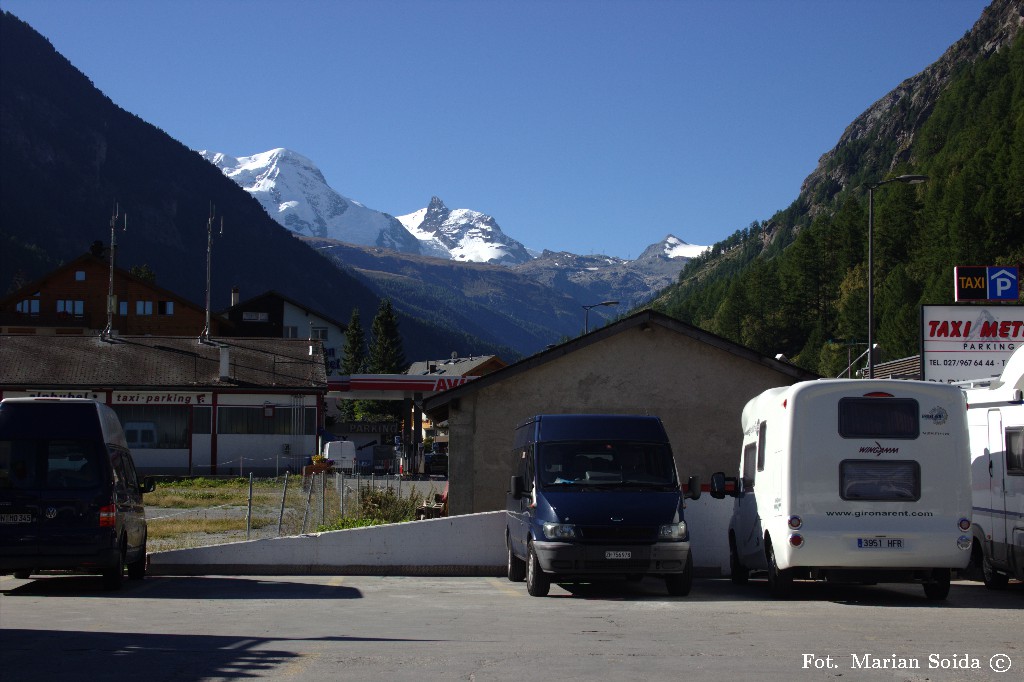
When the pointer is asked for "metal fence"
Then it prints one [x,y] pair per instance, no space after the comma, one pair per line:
[289,504]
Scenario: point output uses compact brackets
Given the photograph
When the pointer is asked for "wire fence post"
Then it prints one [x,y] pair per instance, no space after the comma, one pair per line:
[341,494]
[309,497]
[248,513]
[284,496]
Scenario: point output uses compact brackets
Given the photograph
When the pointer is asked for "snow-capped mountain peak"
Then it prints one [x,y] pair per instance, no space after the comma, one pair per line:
[462,234]
[295,193]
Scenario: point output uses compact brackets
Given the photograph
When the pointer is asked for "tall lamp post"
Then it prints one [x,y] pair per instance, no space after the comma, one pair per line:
[586,317]
[907,180]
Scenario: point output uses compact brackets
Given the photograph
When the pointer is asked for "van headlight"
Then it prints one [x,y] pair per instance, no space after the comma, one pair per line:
[672,531]
[559,531]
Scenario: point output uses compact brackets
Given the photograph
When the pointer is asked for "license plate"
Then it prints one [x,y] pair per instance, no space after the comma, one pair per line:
[880,543]
[15,518]
[617,555]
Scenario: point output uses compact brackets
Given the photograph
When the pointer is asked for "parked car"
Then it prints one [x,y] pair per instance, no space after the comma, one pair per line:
[70,498]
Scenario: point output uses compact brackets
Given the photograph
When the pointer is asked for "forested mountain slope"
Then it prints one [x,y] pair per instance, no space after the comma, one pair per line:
[797,283]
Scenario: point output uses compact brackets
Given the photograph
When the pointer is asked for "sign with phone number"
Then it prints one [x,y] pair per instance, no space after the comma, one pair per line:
[969,342]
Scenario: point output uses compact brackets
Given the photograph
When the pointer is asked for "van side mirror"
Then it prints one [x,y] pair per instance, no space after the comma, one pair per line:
[516,487]
[693,488]
[148,485]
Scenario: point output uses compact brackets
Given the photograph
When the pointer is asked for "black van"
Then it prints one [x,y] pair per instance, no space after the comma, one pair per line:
[70,499]
[596,496]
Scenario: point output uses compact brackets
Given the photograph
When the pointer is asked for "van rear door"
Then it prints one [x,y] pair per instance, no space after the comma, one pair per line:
[70,497]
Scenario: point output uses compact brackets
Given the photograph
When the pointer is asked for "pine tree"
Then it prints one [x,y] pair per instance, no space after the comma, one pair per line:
[353,360]
[385,357]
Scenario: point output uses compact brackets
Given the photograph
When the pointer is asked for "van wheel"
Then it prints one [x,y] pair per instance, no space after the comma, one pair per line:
[938,587]
[679,584]
[738,573]
[516,566]
[994,580]
[23,574]
[137,568]
[780,582]
[113,576]
[537,582]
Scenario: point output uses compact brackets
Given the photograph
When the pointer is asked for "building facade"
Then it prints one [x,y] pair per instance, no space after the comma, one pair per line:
[229,406]
[72,300]
[696,382]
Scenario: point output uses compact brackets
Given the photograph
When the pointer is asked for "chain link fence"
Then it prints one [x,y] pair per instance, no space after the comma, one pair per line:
[185,514]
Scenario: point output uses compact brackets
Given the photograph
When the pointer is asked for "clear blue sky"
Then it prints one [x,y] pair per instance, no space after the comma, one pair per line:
[593,126]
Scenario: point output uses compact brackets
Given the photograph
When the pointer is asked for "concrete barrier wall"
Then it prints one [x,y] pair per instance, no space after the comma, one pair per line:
[473,544]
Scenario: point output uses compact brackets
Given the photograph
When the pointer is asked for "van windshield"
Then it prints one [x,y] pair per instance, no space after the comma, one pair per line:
[606,463]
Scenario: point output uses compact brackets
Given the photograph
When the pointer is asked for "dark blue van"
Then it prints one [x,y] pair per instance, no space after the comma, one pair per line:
[596,496]
[70,498]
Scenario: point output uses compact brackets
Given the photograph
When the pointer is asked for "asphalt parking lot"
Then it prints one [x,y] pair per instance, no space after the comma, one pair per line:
[414,628]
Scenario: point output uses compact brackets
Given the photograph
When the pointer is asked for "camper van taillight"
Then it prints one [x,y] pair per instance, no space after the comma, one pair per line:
[795,523]
[964,524]
[796,540]
[878,394]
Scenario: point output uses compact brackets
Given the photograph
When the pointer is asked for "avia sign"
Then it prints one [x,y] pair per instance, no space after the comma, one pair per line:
[986,283]
[965,342]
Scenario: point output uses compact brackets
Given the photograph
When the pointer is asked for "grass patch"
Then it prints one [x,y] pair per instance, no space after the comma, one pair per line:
[162,529]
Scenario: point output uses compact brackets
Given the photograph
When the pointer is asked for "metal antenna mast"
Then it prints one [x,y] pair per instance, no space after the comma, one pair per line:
[111,302]
[205,336]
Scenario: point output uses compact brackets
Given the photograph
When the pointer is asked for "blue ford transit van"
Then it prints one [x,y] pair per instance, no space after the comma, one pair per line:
[70,498]
[596,496]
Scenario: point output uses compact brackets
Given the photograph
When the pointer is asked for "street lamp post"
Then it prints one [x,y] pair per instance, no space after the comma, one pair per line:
[586,317]
[907,180]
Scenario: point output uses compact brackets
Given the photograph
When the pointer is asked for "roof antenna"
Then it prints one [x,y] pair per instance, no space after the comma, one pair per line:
[107,332]
[205,336]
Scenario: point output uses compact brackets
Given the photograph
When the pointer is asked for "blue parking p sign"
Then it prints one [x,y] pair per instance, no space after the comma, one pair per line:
[986,283]
[1003,284]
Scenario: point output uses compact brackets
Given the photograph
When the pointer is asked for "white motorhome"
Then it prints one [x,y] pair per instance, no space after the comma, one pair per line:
[852,481]
[995,418]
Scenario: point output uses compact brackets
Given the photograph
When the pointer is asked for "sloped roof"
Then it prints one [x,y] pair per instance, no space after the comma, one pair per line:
[436,406]
[455,366]
[904,368]
[155,363]
[278,296]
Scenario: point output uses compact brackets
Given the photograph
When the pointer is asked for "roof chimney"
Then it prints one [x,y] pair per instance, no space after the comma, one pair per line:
[225,364]
[234,296]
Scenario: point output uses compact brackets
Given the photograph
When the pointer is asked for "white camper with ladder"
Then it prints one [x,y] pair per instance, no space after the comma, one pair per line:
[852,481]
[995,418]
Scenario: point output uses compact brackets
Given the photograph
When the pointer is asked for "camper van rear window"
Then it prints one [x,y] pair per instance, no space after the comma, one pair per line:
[871,479]
[878,418]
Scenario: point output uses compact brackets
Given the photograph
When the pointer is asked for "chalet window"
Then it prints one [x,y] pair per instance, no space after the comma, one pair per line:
[122,308]
[165,307]
[291,332]
[143,307]
[70,307]
[80,275]
[30,306]
[318,333]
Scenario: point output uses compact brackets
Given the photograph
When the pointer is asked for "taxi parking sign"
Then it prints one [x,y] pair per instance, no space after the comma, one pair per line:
[986,283]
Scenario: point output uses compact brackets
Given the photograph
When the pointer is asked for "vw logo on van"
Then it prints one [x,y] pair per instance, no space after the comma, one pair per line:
[51,512]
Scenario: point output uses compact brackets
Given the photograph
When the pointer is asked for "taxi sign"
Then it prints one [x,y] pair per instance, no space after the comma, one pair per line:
[986,283]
